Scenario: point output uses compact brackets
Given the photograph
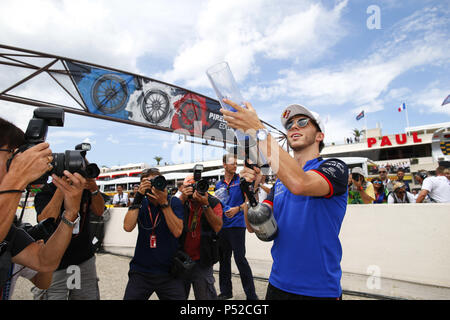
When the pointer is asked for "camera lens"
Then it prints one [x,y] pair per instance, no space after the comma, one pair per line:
[74,162]
[92,170]
[159,182]
[202,186]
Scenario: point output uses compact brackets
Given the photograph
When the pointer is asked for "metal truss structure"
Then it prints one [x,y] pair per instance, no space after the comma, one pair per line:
[106,93]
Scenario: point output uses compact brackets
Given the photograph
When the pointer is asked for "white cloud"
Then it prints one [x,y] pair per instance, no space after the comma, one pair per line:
[111,139]
[430,99]
[242,30]
[364,82]
[108,32]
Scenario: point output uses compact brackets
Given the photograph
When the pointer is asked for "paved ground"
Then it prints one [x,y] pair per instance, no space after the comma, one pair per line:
[112,271]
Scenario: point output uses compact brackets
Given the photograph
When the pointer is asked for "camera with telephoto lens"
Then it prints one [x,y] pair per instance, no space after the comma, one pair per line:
[201,185]
[71,160]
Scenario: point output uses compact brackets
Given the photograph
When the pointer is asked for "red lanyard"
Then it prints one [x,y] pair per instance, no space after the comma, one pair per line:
[195,217]
[154,223]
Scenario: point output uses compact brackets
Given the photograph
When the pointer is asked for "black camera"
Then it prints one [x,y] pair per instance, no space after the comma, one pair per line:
[43,230]
[159,182]
[71,160]
[201,185]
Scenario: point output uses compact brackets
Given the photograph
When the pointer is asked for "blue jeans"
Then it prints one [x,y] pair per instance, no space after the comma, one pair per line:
[232,241]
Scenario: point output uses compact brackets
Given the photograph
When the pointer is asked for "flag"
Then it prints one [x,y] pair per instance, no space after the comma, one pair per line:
[447,100]
[402,107]
[360,115]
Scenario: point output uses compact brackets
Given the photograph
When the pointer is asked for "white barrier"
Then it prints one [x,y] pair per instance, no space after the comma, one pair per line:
[392,250]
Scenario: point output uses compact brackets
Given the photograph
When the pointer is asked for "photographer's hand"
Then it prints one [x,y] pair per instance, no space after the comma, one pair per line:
[160,197]
[98,203]
[145,185]
[28,166]
[202,199]
[174,223]
[72,190]
[46,257]
[186,192]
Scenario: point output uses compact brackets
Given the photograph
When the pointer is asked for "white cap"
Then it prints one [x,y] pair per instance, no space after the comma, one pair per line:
[358,170]
[296,109]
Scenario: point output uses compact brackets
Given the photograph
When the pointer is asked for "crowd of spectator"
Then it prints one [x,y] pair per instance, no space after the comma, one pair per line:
[381,189]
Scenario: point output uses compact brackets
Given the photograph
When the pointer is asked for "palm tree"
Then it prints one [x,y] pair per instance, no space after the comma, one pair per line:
[158,159]
[357,133]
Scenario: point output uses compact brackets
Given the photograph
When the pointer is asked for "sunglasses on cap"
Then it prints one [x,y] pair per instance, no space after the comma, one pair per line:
[302,122]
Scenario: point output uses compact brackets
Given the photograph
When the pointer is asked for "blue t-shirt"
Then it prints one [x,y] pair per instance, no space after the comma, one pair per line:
[234,198]
[307,252]
[155,260]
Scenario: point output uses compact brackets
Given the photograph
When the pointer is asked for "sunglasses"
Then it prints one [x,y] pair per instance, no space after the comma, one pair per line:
[7,150]
[300,123]
[382,171]
[377,182]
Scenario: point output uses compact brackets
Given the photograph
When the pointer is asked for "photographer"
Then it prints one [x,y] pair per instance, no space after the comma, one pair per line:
[19,247]
[26,167]
[361,191]
[309,201]
[120,198]
[49,203]
[203,220]
[160,224]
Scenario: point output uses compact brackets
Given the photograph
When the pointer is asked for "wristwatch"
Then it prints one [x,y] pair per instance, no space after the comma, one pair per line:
[68,222]
[205,206]
[261,134]
[94,193]
[163,206]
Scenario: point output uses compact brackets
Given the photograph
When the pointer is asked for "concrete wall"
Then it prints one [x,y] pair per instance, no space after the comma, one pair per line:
[397,250]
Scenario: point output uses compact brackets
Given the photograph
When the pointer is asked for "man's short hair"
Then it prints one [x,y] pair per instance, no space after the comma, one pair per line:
[150,172]
[401,170]
[227,156]
[12,137]
[321,144]
[440,170]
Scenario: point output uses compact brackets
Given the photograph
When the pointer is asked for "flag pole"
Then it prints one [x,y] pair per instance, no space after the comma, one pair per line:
[365,124]
[407,118]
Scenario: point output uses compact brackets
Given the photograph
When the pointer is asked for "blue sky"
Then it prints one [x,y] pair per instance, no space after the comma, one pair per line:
[317,53]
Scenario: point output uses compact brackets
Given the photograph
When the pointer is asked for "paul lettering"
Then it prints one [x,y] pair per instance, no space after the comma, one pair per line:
[416,139]
[371,142]
[385,141]
[403,140]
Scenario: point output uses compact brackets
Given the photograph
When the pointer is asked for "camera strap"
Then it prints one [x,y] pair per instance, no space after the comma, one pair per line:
[195,218]
[11,191]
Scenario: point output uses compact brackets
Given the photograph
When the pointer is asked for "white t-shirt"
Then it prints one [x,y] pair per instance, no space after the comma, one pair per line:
[438,188]
[121,198]
[262,195]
